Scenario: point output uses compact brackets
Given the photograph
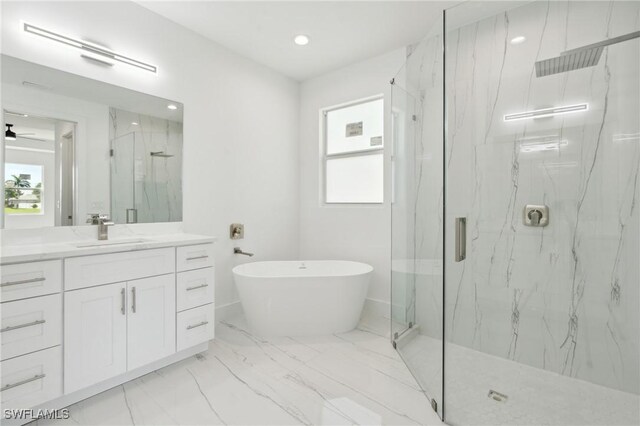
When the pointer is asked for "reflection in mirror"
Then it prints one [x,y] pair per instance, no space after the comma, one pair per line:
[146,168]
[85,147]
[38,171]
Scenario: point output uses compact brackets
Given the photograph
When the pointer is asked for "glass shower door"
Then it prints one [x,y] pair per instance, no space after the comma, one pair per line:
[542,159]
[123,178]
[416,281]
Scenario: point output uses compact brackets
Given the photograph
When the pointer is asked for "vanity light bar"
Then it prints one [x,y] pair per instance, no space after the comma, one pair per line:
[83,45]
[546,112]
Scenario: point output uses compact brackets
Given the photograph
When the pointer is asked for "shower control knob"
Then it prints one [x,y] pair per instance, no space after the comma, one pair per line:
[536,215]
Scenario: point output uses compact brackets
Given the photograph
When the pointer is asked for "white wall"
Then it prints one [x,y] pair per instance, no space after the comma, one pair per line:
[240,120]
[360,233]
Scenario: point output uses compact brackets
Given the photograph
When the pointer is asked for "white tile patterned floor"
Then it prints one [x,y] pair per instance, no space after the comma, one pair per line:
[349,378]
[535,396]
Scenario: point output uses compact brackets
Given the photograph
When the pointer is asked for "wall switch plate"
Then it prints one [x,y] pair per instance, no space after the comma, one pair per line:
[236,231]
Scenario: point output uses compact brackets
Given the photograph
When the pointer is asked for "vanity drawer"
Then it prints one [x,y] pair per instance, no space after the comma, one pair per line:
[194,288]
[30,325]
[32,379]
[195,326]
[194,257]
[30,279]
[89,271]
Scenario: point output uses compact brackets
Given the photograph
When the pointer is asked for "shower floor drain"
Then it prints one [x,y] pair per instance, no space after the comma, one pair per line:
[497,396]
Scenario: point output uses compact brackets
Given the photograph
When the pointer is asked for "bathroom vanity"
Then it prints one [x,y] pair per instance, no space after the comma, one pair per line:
[80,317]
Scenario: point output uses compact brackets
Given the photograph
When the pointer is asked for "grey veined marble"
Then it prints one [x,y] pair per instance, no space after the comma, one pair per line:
[150,184]
[564,298]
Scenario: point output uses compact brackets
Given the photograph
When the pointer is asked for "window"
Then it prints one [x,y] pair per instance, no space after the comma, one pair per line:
[354,153]
[22,189]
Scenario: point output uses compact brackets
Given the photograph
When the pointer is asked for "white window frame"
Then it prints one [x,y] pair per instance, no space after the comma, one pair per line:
[31,189]
[358,153]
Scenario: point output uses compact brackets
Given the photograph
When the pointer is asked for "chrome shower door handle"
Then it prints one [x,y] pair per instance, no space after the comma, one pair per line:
[461,239]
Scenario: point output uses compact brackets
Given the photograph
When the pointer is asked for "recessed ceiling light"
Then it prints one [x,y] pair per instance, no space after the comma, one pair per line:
[301,40]
[172,106]
[133,123]
[518,40]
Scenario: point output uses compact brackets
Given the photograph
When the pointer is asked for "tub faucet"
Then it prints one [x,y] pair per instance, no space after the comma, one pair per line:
[238,250]
[103,223]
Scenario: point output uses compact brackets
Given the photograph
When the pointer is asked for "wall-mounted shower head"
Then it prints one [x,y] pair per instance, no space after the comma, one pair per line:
[582,57]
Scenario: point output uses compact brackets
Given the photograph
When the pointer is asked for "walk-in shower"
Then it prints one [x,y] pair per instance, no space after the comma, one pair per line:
[146,168]
[528,163]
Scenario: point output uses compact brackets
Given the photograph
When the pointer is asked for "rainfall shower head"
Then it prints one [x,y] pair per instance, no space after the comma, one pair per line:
[161,154]
[582,57]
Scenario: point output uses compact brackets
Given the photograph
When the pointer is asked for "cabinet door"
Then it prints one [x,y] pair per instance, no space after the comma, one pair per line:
[151,323]
[95,338]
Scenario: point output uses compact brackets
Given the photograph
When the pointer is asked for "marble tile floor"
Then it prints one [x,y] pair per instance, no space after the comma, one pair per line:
[535,396]
[349,378]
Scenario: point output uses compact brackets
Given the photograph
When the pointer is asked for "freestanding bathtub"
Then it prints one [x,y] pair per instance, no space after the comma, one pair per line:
[301,298]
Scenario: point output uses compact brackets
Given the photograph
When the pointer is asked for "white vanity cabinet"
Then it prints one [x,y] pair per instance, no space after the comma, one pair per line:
[195,287]
[114,328]
[151,322]
[95,335]
[112,318]
[31,333]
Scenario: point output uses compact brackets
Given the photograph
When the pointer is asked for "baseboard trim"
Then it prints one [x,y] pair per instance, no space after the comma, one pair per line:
[228,310]
[377,307]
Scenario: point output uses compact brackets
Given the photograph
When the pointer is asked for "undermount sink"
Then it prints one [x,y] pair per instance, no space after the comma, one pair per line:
[107,243]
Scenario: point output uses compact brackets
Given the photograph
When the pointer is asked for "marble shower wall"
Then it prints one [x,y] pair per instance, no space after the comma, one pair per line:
[151,184]
[564,298]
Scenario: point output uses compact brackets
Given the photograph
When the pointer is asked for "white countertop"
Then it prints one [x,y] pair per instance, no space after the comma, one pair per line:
[80,241]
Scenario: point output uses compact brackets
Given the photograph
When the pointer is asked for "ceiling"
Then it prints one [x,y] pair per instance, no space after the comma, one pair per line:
[341,32]
[35,128]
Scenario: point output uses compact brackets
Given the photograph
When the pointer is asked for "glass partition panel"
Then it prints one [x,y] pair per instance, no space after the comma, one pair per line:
[417,286]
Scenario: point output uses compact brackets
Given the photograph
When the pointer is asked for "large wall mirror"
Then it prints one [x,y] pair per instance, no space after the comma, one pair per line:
[75,147]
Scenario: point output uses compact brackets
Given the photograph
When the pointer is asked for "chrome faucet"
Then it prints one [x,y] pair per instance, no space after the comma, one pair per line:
[103,223]
[238,250]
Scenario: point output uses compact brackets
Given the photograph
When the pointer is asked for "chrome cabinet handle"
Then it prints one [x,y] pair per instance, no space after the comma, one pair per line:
[198,257]
[32,280]
[197,287]
[23,382]
[122,301]
[189,327]
[461,239]
[15,327]
[133,300]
